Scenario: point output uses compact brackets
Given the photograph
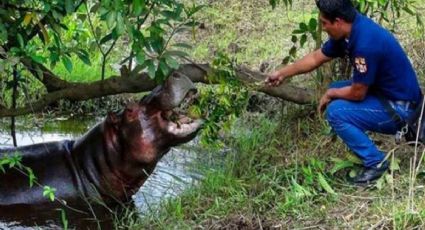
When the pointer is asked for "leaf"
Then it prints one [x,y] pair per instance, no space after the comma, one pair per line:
[32,179]
[353,158]
[54,58]
[297,31]
[172,62]
[194,112]
[362,6]
[57,40]
[20,40]
[84,56]
[38,59]
[138,6]
[69,6]
[419,20]
[95,7]
[3,32]
[299,190]
[64,220]
[324,184]
[67,63]
[49,192]
[140,57]
[111,18]
[383,2]
[43,30]
[151,69]
[303,40]
[164,68]
[408,10]
[352,173]
[293,51]
[194,10]
[183,45]
[105,39]
[47,7]
[341,164]
[170,15]
[395,164]
[389,179]
[380,183]
[177,53]
[120,24]
[303,27]
[39,72]
[31,176]
[28,18]
[294,39]
[52,196]
[273,3]
[286,60]
[312,24]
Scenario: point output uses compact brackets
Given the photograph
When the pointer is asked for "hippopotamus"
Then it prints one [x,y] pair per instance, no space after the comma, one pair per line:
[109,163]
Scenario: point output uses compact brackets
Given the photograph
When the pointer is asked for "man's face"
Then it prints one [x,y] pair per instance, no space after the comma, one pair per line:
[333,29]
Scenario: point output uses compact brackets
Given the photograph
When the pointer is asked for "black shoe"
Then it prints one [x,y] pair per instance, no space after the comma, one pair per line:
[370,174]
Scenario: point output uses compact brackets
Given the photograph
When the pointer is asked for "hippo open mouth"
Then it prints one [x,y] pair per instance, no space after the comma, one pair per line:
[173,99]
[180,123]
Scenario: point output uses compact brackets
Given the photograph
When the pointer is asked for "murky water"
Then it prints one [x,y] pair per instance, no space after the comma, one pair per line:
[175,173]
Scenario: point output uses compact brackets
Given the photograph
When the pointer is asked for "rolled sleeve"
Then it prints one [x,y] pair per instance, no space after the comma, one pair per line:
[333,48]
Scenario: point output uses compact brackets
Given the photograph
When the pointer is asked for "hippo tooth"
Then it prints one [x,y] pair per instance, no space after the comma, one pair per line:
[184,129]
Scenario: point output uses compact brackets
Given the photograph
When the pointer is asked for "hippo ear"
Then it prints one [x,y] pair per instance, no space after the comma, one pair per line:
[112,119]
[131,113]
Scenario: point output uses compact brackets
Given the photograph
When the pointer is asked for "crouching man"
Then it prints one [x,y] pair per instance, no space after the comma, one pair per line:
[380,67]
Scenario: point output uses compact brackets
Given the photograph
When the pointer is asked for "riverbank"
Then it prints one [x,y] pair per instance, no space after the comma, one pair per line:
[287,172]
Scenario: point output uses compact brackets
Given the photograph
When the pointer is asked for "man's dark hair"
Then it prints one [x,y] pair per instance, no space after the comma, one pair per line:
[332,9]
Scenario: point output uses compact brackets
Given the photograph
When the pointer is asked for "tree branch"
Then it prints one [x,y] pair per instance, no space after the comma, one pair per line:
[142,82]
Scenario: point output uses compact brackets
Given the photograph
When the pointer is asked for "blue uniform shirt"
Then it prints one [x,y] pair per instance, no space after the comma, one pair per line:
[378,60]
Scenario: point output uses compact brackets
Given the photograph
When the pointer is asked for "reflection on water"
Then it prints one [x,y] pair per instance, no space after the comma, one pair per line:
[173,174]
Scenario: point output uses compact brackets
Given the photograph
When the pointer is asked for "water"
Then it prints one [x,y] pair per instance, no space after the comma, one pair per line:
[173,174]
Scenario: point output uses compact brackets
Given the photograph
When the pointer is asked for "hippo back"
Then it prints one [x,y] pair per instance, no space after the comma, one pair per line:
[51,164]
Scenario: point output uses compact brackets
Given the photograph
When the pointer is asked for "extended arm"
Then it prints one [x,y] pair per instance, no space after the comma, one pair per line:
[306,64]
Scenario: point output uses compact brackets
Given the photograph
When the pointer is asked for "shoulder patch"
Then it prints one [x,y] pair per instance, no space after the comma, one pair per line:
[360,64]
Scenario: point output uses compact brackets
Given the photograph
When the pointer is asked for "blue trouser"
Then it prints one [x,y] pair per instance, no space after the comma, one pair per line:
[351,119]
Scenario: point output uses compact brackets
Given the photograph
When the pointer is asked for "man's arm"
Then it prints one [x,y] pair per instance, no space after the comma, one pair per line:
[306,64]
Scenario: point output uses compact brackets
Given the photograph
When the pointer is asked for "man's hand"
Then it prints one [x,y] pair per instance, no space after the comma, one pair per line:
[324,101]
[274,79]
